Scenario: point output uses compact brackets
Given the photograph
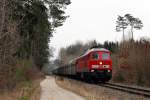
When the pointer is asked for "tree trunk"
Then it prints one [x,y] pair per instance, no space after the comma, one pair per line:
[123,36]
[132,32]
[3,12]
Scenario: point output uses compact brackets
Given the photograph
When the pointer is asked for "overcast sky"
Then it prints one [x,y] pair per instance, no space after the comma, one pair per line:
[96,19]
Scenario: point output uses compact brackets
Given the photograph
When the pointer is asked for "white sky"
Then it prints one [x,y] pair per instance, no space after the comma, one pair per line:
[96,19]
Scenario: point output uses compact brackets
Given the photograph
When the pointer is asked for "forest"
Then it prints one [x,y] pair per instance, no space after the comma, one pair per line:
[26,28]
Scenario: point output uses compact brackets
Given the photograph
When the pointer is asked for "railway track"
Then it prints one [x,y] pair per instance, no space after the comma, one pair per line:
[130,89]
[125,88]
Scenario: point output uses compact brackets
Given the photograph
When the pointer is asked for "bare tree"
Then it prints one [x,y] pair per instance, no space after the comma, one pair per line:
[135,23]
[121,25]
[2,13]
[9,36]
[128,20]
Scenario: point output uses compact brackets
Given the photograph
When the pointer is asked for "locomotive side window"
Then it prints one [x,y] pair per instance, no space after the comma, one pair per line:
[95,56]
[105,56]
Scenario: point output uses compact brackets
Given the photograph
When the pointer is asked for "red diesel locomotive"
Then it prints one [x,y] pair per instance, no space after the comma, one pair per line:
[94,65]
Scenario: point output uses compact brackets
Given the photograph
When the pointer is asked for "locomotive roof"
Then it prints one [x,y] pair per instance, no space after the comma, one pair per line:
[87,52]
[93,50]
[98,49]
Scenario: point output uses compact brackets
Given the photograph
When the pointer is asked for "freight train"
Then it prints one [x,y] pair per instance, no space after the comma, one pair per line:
[94,65]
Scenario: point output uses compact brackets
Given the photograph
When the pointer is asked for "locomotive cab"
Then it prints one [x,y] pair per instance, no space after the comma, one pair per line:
[100,65]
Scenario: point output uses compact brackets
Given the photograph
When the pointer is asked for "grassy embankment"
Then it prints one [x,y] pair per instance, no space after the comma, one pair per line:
[24,84]
[95,92]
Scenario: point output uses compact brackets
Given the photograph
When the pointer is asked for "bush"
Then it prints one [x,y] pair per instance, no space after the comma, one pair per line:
[119,77]
[24,98]
[20,74]
[140,80]
[26,70]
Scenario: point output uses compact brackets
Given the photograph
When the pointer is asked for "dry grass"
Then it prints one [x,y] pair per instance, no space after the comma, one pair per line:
[24,91]
[85,90]
[25,80]
[94,92]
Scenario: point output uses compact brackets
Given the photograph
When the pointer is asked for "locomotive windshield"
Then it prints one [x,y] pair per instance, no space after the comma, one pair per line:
[105,56]
[95,56]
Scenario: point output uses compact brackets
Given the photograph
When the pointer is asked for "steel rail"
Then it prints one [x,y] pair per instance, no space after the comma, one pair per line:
[129,89]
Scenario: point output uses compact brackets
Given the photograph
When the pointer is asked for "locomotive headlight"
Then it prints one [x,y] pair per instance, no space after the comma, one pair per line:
[92,70]
[106,66]
[95,66]
[100,63]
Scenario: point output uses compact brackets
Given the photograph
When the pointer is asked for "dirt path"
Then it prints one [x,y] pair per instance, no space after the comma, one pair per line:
[50,91]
